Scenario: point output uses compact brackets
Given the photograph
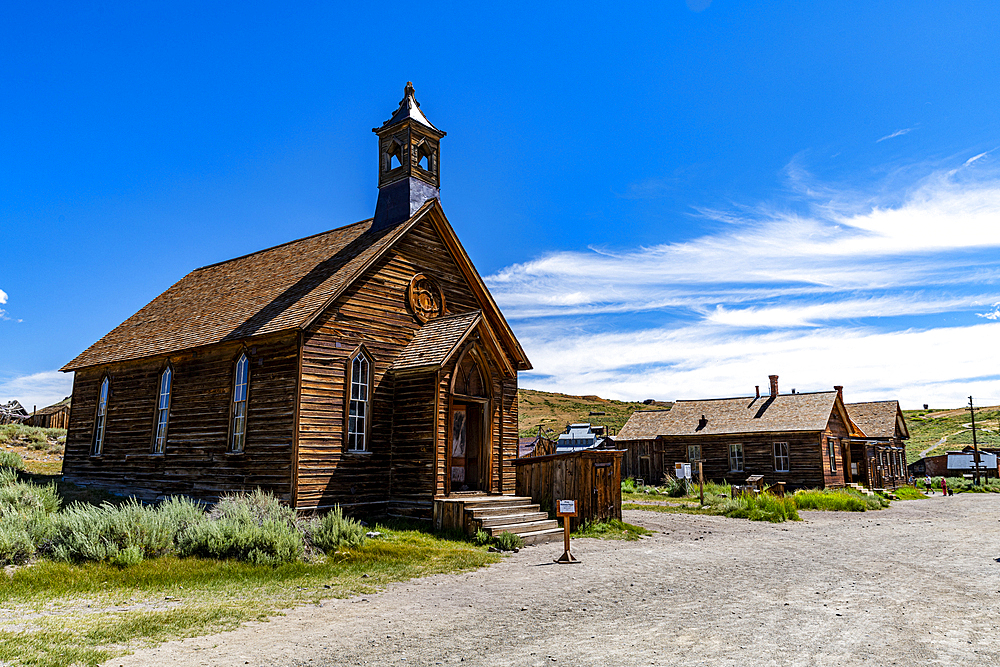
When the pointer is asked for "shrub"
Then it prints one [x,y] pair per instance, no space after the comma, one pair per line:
[482,538]
[675,488]
[628,486]
[333,530]
[508,541]
[908,493]
[252,527]
[16,543]
[11,460]
[89,533]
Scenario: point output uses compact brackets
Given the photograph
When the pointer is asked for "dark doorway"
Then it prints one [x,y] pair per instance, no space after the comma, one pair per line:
[467,461]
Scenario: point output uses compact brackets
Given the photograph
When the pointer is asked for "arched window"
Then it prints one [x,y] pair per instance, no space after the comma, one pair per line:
[469,379]
[358,413]
[97,447]
[162,411]
[241,385]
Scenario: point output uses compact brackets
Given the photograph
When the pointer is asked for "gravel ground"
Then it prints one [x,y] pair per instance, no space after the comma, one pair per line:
[916,584]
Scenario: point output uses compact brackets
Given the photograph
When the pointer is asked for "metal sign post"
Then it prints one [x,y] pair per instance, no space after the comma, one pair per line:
[566,509]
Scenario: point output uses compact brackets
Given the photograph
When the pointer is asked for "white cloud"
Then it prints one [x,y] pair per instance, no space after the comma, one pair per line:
[897,133]
[838,287]
[992,315]
[922,242]
[937,366]
[38,389]
[3,296]
[977,157]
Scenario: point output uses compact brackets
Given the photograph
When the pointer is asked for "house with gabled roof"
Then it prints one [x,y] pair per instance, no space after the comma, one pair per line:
[800,439]
[879,459]
[367,366]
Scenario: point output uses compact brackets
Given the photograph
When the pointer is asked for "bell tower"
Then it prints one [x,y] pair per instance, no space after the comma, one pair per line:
[408,162]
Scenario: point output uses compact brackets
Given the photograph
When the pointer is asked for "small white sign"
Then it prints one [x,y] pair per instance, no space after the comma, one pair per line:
[567,506]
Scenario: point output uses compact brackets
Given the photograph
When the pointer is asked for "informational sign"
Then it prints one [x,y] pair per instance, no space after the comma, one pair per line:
[567,508]
[682,470]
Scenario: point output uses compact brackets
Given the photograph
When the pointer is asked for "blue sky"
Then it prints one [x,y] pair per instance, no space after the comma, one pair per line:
[668,200]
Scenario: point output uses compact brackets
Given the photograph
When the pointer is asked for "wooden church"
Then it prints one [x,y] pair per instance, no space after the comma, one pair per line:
[367,366]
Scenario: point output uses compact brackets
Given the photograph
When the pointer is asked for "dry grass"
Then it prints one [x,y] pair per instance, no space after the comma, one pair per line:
[553,411]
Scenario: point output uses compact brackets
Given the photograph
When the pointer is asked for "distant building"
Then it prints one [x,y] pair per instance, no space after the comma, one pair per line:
[957,464]
[801,439]
[579,437]
[53,416]
[879,459]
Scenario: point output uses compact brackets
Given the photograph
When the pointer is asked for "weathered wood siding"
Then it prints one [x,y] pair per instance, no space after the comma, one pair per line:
[403,463]
[592,478]
[195,461]
[807,467]
[836,429]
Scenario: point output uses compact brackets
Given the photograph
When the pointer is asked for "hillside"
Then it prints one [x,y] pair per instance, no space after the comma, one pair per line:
[553,411]
[927,427]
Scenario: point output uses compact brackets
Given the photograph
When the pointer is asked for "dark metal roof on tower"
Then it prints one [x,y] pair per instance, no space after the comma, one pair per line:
[409,108]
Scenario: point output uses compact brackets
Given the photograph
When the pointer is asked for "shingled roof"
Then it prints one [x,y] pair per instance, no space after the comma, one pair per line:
[724,416]
[274,290]
[877,418]
[436,341]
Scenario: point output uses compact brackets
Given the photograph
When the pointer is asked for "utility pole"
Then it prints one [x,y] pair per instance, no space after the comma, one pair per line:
[975,445]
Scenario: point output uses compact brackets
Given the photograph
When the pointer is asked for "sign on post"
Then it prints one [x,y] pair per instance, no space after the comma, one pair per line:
[566,509]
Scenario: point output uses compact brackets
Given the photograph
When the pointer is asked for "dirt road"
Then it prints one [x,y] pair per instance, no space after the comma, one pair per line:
[917,584]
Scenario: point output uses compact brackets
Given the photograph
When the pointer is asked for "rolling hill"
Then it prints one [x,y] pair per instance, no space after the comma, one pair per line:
[552,411]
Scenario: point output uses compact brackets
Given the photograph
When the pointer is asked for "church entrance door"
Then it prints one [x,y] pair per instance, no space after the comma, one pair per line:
[468,465]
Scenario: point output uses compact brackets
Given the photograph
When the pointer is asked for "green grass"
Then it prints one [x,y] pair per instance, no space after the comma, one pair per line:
[837,500]
[206,595]
[24,435]
[908,493]
[612,529]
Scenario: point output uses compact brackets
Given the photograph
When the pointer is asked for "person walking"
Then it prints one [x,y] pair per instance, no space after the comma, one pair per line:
[944,487]
[927,484]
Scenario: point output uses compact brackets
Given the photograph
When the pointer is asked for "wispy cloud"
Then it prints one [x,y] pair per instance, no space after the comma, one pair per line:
[897,133]
[38,389]
[3,300]
[993,314]
[841,286]
[974,158]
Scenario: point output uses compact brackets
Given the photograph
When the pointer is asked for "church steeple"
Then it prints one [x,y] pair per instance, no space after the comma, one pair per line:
[409,162]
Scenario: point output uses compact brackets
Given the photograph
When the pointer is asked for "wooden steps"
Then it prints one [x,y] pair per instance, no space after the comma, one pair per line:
[512,514]
[860,488]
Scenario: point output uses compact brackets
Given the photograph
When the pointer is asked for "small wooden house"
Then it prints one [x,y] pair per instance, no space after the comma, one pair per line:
[366,366]
[799,439]
[53,416]
[879,459]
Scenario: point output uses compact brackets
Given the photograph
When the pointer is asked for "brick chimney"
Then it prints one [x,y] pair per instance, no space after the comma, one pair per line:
[840,391]
[757,387]
[774,384]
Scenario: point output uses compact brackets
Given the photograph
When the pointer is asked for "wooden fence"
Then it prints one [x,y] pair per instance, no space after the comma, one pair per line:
[593,478]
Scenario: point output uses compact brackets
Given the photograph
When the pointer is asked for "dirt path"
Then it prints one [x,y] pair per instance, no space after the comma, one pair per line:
[917,584]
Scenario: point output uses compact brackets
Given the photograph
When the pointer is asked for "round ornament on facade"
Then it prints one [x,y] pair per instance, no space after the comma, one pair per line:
[425,297]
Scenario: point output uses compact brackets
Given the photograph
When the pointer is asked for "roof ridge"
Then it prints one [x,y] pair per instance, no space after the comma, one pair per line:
[764,396]
[281,245]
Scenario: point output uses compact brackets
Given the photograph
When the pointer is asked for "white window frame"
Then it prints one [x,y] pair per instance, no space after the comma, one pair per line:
[359,394]
[162,411]
[241,395]
[694,453]
[782,462]
[101,417]
[736,457]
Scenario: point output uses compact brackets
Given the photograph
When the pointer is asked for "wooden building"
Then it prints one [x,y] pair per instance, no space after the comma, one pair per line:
[799,439]
[367,366]
[879,459]
[53,416]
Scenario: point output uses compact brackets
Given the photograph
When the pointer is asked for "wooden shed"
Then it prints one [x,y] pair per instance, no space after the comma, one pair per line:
[800,439]
[53,416]
[366,366]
